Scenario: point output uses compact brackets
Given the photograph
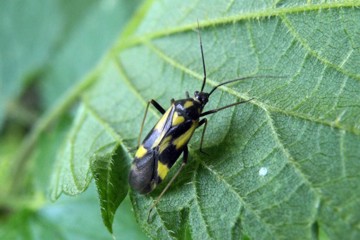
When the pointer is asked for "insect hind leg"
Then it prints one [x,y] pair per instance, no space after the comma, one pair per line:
[203,121]
[185,158]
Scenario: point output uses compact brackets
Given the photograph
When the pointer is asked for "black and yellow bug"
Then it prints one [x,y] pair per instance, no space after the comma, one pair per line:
[169,137]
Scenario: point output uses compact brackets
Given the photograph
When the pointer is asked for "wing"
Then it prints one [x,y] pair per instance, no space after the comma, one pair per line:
[156,135]
[143,174]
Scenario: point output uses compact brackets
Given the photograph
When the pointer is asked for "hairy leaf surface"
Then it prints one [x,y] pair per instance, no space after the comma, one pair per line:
[283,166]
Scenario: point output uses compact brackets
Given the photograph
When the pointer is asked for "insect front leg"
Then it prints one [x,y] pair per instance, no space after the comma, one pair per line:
[202,121]
[158,107]
[185,158]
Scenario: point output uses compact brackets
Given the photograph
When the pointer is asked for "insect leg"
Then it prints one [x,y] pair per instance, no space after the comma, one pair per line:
[158,107]
[203,121]
[222,108]
[187,94]
[185,158]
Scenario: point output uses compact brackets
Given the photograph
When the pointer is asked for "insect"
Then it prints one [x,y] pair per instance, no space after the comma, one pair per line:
[168,139]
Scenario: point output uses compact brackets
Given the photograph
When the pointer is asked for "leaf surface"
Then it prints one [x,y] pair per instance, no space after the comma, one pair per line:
[284,165]
[69,218]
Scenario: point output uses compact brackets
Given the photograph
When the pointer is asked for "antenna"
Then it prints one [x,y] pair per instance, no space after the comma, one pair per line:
[202,58]
[243,78]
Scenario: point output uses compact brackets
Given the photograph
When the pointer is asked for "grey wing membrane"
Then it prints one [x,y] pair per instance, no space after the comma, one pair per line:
[144,177]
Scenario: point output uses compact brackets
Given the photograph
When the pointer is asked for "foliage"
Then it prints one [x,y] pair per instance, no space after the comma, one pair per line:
[283,166]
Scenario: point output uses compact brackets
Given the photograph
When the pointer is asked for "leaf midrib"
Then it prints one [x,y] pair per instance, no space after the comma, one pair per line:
[131,41]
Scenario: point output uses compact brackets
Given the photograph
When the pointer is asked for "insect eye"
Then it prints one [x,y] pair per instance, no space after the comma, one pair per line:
[204,99]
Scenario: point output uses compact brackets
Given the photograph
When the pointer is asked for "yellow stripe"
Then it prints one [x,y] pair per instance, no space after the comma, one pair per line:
[164,144]
[160,126]
[161,123]
[177,119]
[188,104]
[162,170]
[140,152]
[184,138]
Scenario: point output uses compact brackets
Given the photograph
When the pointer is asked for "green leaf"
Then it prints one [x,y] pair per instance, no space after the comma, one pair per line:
[8,145]
[283,166]
[48,145]
[90,28]
[25,44]
[57,45]
[111,183]
[85,140]
[58,52]
[69,218]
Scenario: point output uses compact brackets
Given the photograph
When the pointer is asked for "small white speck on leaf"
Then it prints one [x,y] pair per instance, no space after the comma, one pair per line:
[263,171]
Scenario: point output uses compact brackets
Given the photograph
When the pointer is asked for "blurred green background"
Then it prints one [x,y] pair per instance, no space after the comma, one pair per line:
[47,48]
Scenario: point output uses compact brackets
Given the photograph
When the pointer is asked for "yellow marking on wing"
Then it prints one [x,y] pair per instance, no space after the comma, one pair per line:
[184,138]
[160,126]
[140,152]
[161,123]
[188,104]
[165,143]
[162,170]
[177,119]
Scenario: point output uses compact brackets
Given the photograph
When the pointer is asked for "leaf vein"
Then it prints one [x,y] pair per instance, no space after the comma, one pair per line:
[303,43]
[196,198]
[72,144]
[244,16]
[289,157]
[342,154]
[245,96]
[243,202]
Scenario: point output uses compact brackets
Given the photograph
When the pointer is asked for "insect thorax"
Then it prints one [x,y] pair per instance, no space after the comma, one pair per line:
[188,108]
